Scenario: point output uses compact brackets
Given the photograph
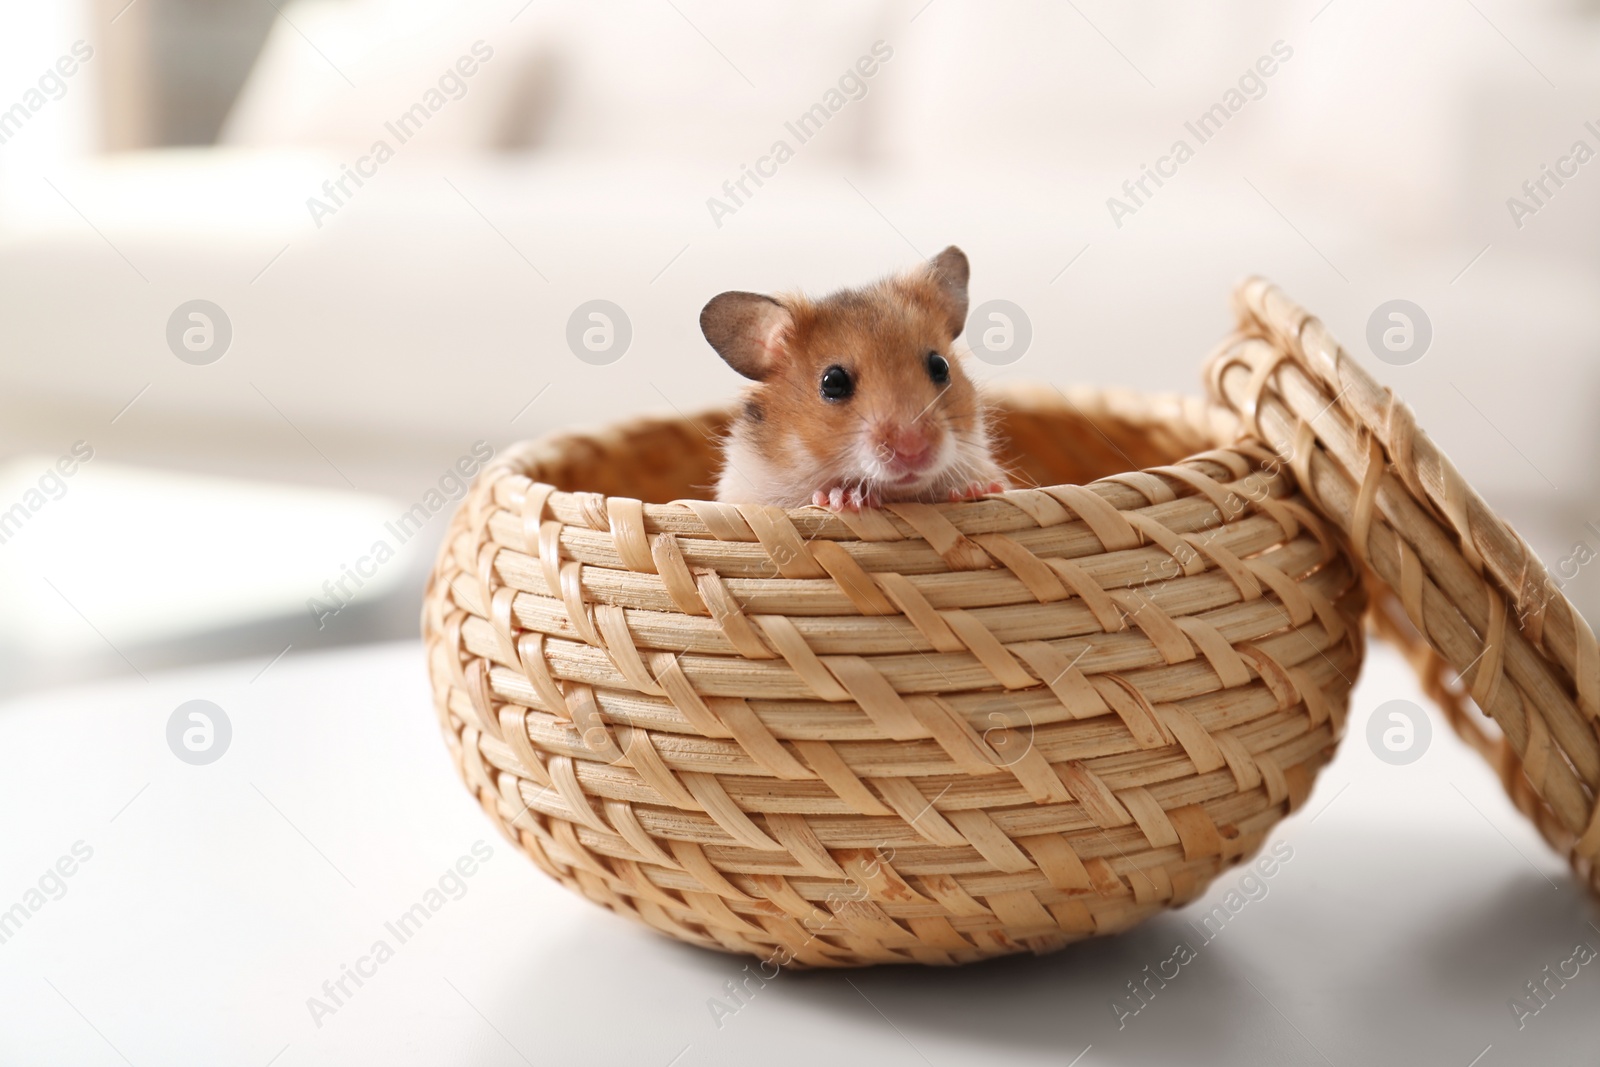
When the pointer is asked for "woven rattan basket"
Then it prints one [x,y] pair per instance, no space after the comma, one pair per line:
[924,734]
[1455,586]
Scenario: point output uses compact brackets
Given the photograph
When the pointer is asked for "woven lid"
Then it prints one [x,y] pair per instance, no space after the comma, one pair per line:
[1453,583]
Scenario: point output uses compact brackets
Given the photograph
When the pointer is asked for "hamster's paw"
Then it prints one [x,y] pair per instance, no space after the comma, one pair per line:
[841,499]
[974,490]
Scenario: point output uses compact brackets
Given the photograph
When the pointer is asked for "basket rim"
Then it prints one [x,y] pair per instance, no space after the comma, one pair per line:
[509,480]
[1360,415]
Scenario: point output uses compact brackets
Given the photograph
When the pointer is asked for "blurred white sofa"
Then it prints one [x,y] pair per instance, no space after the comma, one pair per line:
[429,309]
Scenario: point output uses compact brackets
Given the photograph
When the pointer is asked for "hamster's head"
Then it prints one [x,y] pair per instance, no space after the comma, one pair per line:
[863,387]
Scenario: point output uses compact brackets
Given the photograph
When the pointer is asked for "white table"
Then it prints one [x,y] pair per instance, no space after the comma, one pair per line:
[219,898]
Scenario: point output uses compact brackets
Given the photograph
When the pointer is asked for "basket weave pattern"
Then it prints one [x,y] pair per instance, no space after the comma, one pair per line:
[1458,589]
[924,734]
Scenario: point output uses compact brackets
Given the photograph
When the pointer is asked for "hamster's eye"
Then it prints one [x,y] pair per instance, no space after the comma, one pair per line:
[837,383]
[938,369]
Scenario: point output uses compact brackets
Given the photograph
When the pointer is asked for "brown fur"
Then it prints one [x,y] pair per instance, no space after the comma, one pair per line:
[881,334]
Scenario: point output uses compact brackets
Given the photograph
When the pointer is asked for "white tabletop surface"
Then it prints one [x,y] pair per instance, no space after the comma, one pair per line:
[216,900]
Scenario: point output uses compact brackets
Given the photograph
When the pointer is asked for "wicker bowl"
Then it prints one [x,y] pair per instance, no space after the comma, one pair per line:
[926,734]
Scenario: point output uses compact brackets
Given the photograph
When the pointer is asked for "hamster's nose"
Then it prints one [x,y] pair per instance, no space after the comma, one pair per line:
[909,447]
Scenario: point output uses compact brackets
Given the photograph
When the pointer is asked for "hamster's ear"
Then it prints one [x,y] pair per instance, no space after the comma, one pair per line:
[748,330]
[949,272]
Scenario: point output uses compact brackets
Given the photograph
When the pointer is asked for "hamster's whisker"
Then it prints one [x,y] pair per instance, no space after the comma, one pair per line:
[936,398]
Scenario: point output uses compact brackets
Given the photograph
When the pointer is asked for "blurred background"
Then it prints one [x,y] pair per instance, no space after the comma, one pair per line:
[272,274]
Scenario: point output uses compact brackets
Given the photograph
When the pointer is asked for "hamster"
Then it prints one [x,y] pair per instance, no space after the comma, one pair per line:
[859,397]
